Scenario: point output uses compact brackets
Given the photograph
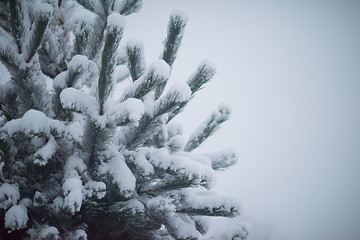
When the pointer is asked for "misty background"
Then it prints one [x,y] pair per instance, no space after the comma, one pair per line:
[290,72]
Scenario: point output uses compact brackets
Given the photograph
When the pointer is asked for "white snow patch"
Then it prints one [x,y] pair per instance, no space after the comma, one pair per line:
[222,159]
[75,163]
[60,80]
[149,103]
[180,14]
[161,205]
[9,195]
[181,90]
[95,189]
[78,61]
[5,75]
[16,217]
[160,68]
[115,20]
[49,232]
[206,200]
[185,166]
[80,234]
[75,131]
[142,163]
[44,8]
[120,172]
[131,109]
[176,143]
[132,206]
[177,94]
[182,227]
[134,43]
[43,154]
[33,122]
[79,101]
[72,189]
[174,128]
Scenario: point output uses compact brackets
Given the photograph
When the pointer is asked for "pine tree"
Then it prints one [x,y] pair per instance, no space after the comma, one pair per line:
[76,160]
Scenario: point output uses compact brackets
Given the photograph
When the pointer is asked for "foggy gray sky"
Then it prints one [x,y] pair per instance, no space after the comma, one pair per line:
[290,72]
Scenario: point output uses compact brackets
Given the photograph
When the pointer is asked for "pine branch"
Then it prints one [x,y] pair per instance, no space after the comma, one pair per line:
[171,181]
[218,211]
[78,101]
[108,59]
[8,58]
[174,224]
[201,76]
[82,38]
[177,95]
[158,72]
[31,95]
[130,6]
[198,79]
[78,68]
[223,159]
[135,62]
[146,129]
[106,6]
[87,4]
[16,22]
[97,36]
[94,142]
[207,128]
[175,33]
[37,33]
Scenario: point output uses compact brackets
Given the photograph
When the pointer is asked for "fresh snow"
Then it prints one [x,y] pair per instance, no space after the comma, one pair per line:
[182,227]
[78,101]
[180,14]
[43,8]
[49,233]
[207,63]
[60,80]
[9,195]
[134,43]
[131,109]
[115,20]
[183,166]
[160,68]
[46,152]
[161,205]
[132,206]
[222,159]
[78,61]
[178,93]
[142,163]
[176,143]
[206,200]
[72,189]
[95,189]
[80,235]
[33,122]
[120,172]
[16,217]
[74,163]
[149,103]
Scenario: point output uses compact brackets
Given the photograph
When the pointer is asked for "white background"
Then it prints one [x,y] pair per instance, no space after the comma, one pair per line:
[290,71]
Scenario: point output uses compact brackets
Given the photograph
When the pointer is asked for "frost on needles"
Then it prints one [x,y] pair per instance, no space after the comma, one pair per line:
[80,161]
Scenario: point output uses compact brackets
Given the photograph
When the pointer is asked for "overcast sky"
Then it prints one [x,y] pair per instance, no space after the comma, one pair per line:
[290,72]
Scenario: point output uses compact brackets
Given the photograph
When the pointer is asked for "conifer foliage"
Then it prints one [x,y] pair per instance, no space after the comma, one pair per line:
[80,162]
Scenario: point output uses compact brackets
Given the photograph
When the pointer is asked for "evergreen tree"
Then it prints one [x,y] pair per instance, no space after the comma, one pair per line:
[79,162]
